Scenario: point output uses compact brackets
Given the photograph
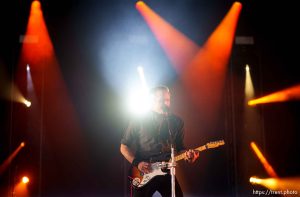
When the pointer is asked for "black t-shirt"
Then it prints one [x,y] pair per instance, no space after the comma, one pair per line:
[150,136]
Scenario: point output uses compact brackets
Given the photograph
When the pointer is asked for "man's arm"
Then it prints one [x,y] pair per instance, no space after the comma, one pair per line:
[127,153]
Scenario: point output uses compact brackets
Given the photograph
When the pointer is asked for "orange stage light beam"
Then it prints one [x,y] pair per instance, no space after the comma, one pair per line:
[263,160]
[20,188]
[39,49]
[202,69]
[292,93]
[7,162]
[179,48]
[62,133]
[278,186]
[205,75]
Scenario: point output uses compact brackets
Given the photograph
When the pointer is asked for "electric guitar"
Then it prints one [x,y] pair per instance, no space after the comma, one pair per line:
[140,179]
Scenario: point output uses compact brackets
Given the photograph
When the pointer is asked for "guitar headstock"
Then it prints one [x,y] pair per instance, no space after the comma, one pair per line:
[215,144]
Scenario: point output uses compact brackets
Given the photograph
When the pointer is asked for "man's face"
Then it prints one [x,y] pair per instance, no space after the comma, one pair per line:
[161,98]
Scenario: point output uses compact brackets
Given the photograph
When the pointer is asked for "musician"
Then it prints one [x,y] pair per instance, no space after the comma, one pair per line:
[148,139]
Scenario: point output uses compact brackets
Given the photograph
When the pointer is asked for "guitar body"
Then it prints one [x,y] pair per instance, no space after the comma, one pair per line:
[140,179]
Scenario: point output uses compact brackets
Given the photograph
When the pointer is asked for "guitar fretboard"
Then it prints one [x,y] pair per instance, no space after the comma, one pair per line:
[182,155]
[202,148]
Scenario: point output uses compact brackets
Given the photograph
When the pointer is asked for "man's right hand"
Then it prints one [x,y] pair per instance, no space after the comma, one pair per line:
[144,167]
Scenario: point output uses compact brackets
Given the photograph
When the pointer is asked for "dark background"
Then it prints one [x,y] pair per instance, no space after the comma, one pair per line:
[98,45]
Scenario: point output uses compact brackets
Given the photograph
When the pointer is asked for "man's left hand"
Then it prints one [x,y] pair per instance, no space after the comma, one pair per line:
[191,155]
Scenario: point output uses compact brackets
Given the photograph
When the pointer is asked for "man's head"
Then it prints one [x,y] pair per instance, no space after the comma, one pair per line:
[161,98]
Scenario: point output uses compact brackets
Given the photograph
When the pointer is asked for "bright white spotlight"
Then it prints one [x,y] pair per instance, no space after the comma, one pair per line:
[25,179]
[28,68]
[27,103]
[140,69]
[29,80]
[143,79]
[249,88]
[247,68]
[139,102]
[271,183]
[255,180]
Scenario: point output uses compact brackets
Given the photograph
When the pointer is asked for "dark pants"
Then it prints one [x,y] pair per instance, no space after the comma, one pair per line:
[162,184]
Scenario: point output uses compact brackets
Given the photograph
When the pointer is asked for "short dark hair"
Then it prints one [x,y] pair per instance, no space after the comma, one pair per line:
[159,88]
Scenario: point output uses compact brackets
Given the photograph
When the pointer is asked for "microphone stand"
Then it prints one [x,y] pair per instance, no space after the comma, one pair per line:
[171,165]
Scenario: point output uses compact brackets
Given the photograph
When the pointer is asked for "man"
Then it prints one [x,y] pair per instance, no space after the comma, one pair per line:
[149,139]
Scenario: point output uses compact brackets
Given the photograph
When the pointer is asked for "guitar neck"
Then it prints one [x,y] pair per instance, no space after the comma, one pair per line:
[182,155]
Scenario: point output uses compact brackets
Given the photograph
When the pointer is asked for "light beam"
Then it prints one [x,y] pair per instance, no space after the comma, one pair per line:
[292,93]
[8,161]
[249,89]
[263,160]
